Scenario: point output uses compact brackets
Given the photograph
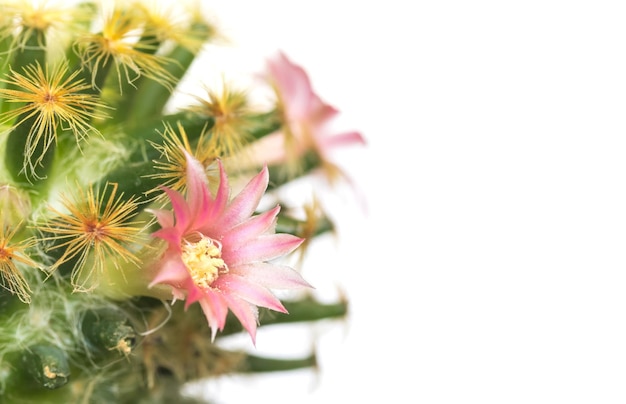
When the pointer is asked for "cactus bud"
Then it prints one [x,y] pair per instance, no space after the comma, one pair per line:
[108,330]
[48,365]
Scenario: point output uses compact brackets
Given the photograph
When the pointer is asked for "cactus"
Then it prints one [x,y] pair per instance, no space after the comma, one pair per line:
[114,206]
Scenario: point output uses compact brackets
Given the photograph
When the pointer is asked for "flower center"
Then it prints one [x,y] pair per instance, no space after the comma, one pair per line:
[204,260]
[5,254]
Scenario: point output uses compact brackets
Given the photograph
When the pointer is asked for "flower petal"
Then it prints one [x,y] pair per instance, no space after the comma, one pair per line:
[215,308]
[223,192]
[344,139]
[249,291]
[172,271]
[182,213]
[263,248]
[194,293]
[170,234]
[292,83]
[251,228]
[197,190]
[244,204]
[247,314]
[165,218]
[270,275]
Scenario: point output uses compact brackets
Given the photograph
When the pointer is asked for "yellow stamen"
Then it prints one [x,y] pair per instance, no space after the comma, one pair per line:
[43,17]
[97,230]
[170,22]
[123,347]
[120,42]
[230,111]
[204,261]
[173,164]
[52,99]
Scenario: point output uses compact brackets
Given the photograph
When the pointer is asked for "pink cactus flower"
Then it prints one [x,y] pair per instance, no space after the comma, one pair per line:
[219,255]
[306,114]
[307,120]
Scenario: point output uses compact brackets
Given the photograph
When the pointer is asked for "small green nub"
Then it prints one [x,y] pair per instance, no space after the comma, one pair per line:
[108,330]
[48,365]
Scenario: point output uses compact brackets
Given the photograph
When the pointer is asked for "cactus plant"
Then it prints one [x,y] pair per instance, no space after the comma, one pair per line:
[114,206]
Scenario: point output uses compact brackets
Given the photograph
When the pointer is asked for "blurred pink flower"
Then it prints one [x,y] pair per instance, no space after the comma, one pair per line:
[306,121]
[217,252]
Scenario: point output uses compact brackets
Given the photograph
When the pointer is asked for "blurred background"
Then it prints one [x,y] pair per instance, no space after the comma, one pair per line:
[488,265]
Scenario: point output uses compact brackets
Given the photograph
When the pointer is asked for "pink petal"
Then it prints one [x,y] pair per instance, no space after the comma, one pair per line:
[178,294]
[215,309]
[181,209]
[270,275]
[170,234]
[164,217]
[269,150]
[247,314]
[320,112]
[216,207]
[251,228]
[248,291]
[263,248]
[344,139]
[292,84]
[172,271]
[197,190]
[244,204]
[194,293]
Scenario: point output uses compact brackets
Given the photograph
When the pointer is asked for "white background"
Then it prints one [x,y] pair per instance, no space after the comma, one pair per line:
[489,267]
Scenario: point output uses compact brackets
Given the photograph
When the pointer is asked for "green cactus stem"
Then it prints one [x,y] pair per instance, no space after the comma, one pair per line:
[16,158]
[32,52]
[278,174]
[264,124]
[260,364]
[291,225]
[178,61]
[300,311]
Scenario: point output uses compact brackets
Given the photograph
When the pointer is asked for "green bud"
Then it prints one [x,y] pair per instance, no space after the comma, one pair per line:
[108,330]
[47,364]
